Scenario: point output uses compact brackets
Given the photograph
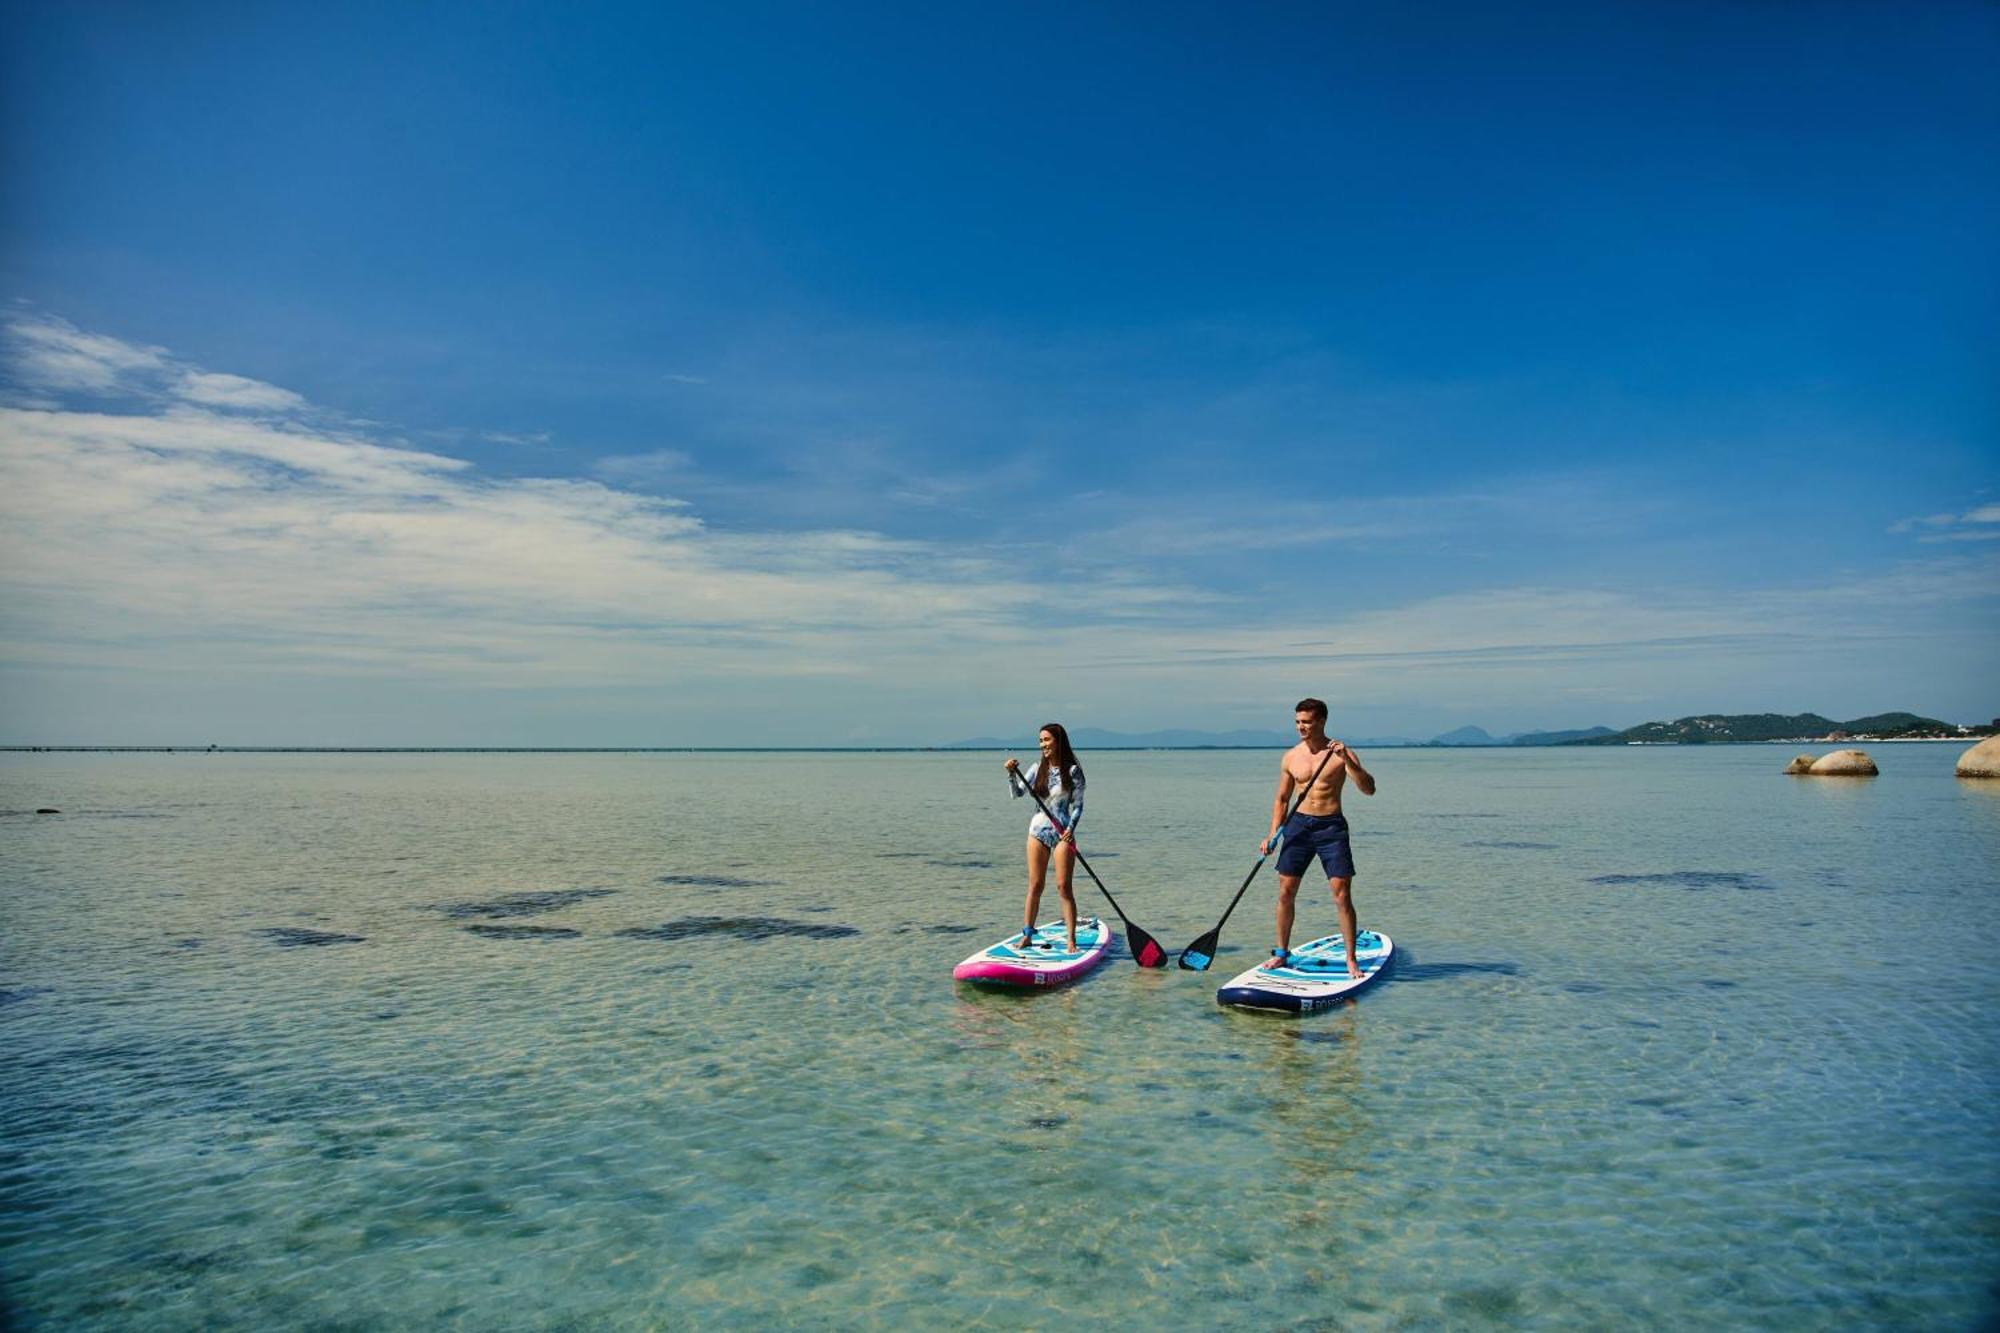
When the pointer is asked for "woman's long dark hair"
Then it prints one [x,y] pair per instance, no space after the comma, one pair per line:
[1065,760]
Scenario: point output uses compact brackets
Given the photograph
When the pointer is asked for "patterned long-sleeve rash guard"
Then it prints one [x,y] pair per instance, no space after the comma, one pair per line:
[1065,799]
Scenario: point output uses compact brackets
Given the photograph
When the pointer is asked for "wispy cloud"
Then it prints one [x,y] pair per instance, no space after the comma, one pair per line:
[648,471]
[189,521]
[1979,524]
[235,392]
[214,521]
[1213,524]
[49,353]
[157,533]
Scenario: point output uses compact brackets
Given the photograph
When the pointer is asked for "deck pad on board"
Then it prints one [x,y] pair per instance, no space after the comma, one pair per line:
[1314,978]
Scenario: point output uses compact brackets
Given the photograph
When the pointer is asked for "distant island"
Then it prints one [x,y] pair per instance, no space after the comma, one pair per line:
[1806,728]
[1706,729]
[1466,736]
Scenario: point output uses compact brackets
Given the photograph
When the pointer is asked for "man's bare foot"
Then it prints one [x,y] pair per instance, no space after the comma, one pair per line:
[1279,958]
[1354,971]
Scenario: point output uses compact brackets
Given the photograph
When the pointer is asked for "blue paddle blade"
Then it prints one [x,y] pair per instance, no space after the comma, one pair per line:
[1198,955]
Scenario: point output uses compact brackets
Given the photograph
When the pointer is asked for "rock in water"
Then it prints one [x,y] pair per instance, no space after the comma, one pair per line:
[1982,760]
[1844,764]
[1802,764]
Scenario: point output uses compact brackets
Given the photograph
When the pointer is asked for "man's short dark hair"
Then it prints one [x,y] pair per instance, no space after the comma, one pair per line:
[1317,707]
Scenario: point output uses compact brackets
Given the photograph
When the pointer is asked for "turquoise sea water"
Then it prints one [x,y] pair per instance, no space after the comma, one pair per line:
[364,1042]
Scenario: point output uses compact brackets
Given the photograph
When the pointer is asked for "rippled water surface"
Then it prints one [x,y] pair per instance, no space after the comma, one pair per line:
[628,1041]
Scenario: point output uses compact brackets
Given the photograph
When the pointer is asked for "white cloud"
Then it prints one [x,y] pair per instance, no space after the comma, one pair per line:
[1572,657]
[48,356]
[234,391]
[203,535]
[180,543]
[186,538]
[48,353]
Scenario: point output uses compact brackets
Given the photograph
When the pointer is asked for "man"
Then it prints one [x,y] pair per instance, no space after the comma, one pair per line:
[1318,828]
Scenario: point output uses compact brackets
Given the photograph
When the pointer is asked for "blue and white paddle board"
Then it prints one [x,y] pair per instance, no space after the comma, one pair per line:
[1314,978]
[1048,962]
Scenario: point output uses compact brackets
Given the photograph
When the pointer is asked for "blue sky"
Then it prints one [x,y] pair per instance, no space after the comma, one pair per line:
[601,374]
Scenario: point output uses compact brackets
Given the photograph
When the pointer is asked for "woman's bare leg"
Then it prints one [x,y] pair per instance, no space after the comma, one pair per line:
[1065,869]
[1038,870]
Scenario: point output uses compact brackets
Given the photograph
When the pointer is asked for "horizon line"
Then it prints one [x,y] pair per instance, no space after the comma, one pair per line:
[900,749]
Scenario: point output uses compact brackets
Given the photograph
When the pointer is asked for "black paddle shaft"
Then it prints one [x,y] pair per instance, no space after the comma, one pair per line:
[1204,948]
[1146,951]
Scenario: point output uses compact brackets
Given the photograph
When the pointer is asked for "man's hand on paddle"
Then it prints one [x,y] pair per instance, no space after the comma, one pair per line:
[1286,782]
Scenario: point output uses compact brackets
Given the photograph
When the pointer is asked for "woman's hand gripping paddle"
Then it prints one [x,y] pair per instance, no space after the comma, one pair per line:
[1146,951]
[1197,956]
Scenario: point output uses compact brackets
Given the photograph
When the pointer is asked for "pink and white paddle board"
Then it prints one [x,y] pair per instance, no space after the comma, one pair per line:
[1048,962]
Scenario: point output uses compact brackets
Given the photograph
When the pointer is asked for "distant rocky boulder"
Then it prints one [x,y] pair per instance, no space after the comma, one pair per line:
[1982,760]
[1801,765]
[1844,764]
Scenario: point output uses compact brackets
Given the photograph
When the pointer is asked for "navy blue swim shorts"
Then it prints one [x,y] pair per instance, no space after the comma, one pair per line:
[1321,835]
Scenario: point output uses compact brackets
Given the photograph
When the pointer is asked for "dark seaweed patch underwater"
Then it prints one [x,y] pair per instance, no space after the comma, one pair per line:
[1689,879]
[736,927]
[522,904]
[297,937]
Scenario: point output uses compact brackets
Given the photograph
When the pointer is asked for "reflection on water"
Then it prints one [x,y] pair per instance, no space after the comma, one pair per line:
[1318,1116]
[1977,790]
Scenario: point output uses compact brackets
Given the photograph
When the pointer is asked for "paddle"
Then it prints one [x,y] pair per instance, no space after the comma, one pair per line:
[1146,950]
[1202,951]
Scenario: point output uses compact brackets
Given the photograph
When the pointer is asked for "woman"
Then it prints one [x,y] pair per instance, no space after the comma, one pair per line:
[1058,780]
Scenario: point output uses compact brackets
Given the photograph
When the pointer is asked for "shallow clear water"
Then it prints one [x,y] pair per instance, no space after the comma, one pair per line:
[1672,1039]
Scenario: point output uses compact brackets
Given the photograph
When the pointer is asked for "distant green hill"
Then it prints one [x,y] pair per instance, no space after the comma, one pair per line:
[1898,724]
[1743,728]
[1560,737]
